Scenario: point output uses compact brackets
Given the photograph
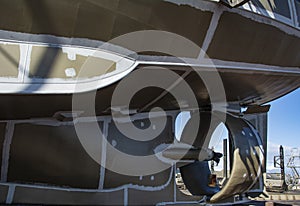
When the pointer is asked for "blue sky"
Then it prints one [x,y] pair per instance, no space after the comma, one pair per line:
[283,125]
[284,120]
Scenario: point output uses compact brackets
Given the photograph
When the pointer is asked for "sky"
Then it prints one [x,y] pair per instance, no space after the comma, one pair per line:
[283,126]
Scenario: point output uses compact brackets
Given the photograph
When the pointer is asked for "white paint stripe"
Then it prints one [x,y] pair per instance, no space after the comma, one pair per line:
[292,12]
[220,64]
[10,194]
[210,32]
[27,62]
[55,122]
[6,150]
[178,203]
[106,123]
[128,186]
[22,63]
[63,189]
[125,196]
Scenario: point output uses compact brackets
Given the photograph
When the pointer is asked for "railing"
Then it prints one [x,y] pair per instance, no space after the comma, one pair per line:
[291,164]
